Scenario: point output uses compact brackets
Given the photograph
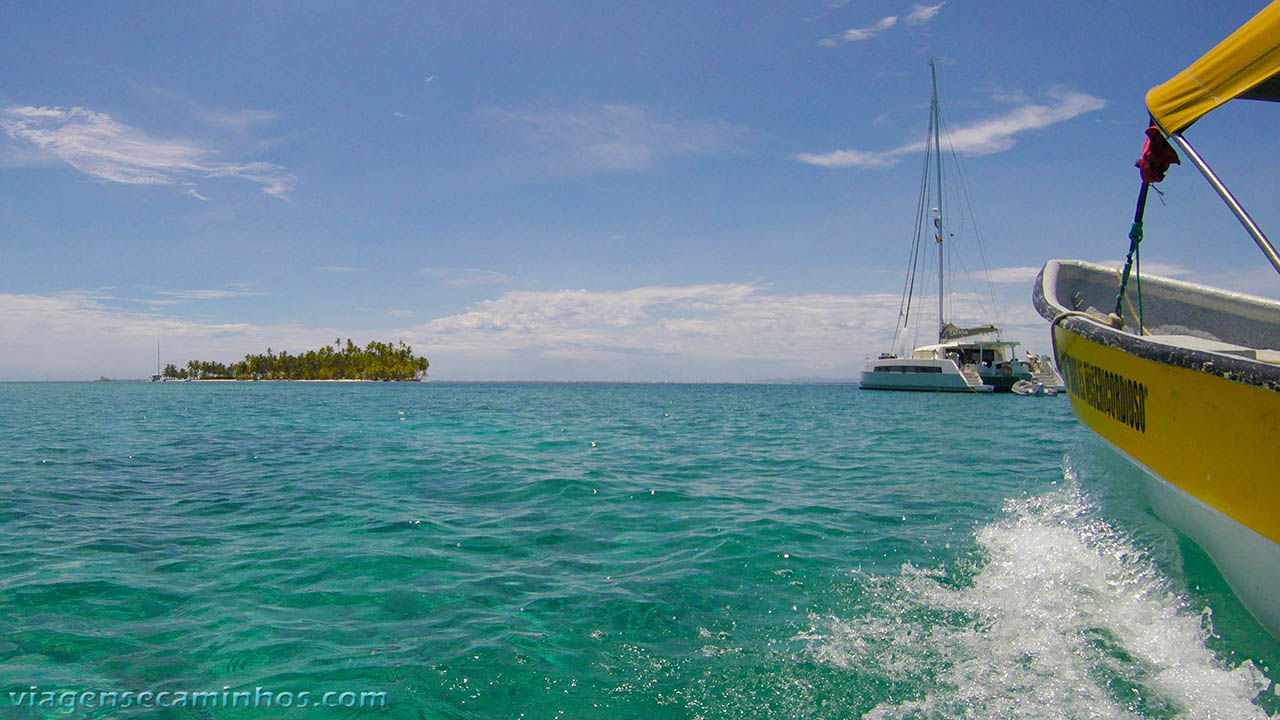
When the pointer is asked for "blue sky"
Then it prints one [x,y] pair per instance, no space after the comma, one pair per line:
[556,190]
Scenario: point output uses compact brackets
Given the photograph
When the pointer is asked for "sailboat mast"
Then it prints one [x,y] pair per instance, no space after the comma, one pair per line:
[935,120]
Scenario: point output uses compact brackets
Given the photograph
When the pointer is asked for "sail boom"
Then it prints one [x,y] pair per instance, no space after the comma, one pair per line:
[954,332]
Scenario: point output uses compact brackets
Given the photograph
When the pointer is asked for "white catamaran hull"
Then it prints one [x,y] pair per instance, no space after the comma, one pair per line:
[921,375]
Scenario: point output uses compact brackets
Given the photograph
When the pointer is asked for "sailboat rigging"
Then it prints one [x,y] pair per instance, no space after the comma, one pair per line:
[963,359]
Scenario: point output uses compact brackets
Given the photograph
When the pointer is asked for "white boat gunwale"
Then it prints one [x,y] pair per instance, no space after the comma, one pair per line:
[1229,367]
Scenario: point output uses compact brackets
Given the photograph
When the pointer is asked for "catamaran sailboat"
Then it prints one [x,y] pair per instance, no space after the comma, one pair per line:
[972,359]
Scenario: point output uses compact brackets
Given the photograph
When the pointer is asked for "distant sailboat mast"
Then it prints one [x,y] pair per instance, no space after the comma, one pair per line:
[157,377]
[935,120]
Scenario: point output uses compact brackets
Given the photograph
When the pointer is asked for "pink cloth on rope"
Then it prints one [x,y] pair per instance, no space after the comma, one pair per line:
[1157,156]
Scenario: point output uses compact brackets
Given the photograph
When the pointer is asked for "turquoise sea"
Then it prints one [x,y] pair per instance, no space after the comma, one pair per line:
[551,551]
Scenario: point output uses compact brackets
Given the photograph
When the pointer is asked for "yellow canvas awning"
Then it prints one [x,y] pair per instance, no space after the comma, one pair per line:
[1244,65]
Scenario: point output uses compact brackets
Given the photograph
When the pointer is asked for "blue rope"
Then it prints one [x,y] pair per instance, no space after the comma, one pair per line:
[1135,237]
[1138,278]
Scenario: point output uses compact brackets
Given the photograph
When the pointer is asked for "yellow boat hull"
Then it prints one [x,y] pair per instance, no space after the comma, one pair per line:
[1199,432]
[1194,401]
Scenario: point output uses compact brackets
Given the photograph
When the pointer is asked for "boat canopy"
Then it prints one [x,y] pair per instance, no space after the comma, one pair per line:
[1244,65]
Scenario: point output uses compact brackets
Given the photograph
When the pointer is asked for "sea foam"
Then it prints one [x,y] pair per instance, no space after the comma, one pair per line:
[1058,616]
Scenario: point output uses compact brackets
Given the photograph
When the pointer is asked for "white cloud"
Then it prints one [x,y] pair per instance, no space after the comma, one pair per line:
[850,158]
[980,138]
[996,134]
[240,120]
[1155,268]
[730,331]
[76,335]
[866,33]
[671,329]
[1257,280]
[465,277]
[611,138]
[1010,275]
[338,269]
[81,335]
[1010,97]
[96,144]
[274,181]
[919,15]
[923,13]
[856,34]
[209,294]
[725,331]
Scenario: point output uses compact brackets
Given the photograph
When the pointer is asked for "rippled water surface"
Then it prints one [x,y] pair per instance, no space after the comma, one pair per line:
[596,551]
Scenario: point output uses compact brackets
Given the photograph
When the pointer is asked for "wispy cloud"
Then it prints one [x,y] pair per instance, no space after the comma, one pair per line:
[177,297]
[854,158]
[185,295]
[856,34]
[1010,275]
[611,138]
[98,145]
[239,120]
[338,269]
[980,138]
[919,15]
[923,13]
[465,277]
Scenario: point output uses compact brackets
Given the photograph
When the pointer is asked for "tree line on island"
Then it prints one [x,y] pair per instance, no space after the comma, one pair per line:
[375,361]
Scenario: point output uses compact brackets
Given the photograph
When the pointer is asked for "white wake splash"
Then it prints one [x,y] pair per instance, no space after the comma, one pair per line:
[1062,617]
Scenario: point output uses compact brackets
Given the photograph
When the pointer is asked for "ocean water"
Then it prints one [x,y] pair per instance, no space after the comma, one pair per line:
[454,551]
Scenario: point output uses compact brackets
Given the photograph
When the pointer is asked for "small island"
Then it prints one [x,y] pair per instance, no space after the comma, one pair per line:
[377,361]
